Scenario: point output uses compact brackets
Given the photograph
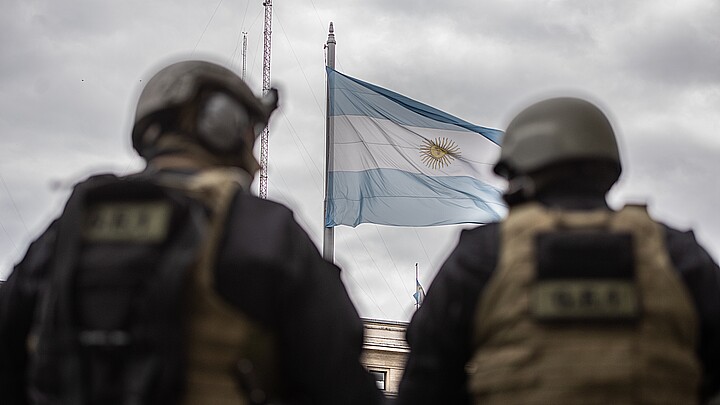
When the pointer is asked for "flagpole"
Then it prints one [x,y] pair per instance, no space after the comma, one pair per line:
[417,280]
[329,232]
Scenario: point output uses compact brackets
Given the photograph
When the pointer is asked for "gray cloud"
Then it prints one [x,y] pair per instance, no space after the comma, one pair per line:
[71,71]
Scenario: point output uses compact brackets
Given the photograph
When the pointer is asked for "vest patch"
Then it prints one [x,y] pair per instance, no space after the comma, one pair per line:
[139,222]
[585,300]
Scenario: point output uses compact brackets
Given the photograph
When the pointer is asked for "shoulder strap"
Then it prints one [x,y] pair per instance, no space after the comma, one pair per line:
[56,315]
[165,290]
[216,188]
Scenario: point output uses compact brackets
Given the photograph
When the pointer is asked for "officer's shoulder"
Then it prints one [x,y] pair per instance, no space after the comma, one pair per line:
[478,245]
[249,208]
[680,241]
[488,231]
[94,180]
[672,234]
[688,256]
[265,207]
[263,229]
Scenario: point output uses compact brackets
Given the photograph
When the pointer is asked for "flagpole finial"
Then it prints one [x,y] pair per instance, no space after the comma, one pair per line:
[331,34]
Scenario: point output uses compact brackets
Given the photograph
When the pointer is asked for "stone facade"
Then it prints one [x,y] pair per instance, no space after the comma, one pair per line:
[385,352]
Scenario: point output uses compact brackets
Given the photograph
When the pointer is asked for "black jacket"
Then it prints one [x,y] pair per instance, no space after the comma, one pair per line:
[268,268]
[440,332]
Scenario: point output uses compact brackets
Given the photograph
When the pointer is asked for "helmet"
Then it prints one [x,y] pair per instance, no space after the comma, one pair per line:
[558,130]
[222,106]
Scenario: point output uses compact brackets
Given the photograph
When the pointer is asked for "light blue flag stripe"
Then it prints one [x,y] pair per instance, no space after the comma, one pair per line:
[350,96]
[399,198]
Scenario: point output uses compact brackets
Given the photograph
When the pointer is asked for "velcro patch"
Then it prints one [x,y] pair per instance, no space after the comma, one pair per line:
[585,300]
[584,275]
[138,222]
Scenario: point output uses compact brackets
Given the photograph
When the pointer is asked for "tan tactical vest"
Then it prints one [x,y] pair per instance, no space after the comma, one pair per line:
[224,346]
[520,360]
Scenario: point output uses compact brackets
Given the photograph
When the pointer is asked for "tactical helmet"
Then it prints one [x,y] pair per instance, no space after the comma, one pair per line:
[554,131]
[180,84]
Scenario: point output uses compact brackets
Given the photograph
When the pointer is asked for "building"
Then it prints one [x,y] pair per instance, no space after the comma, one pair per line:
[385,352]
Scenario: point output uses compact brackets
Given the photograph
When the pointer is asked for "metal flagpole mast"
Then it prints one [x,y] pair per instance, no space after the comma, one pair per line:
[244,54]
[417,293]
[329,232]
[267,36]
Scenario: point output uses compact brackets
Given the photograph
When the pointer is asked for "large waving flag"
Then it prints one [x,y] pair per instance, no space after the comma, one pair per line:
[400,162]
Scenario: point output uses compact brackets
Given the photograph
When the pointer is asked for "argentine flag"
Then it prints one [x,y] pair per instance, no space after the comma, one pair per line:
[403,163]
[419,293]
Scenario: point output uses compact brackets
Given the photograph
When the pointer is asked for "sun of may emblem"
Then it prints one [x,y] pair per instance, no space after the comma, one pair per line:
[439,152]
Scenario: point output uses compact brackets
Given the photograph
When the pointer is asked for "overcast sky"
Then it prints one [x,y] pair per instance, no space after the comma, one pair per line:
[71,71]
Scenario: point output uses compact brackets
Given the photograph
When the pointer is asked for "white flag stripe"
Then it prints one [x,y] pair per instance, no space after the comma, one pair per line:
[364,143]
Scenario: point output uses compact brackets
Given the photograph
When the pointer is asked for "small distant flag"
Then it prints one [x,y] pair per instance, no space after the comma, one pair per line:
[419,293]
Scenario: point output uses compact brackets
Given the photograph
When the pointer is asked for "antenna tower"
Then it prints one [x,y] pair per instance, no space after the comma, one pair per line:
[244,55]
[267,36]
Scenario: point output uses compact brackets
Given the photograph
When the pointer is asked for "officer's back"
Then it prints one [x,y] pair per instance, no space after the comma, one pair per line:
[175,285]
[567,301]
